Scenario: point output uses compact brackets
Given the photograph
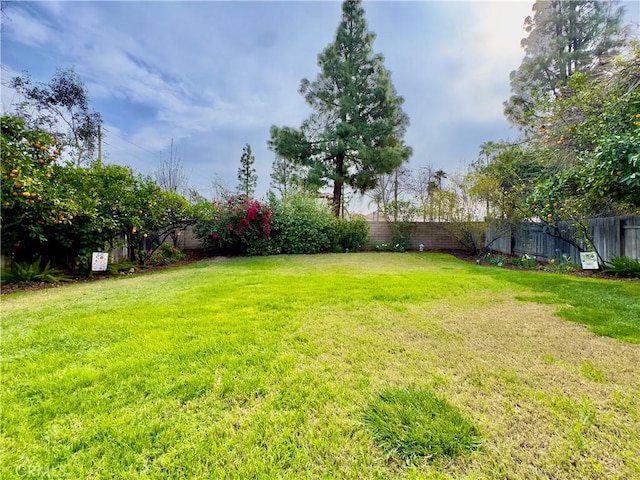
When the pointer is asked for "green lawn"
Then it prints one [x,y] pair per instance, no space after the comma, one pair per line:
[271,368]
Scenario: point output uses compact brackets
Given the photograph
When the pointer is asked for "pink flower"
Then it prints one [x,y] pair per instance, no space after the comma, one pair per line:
[244,223]
[230,227]
[214,236]
[252,213]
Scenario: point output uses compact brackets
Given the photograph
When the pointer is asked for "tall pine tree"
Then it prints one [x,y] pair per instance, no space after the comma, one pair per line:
[564,37]
[247,177]
[357,128]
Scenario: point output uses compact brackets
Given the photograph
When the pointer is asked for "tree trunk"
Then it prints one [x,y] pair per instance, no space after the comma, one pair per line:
[337,186]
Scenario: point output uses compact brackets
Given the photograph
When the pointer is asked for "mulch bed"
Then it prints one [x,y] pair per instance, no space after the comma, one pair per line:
[191,256]
[508,266]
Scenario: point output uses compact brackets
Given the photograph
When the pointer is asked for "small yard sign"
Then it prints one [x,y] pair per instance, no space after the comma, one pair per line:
[589,260]
[99,261]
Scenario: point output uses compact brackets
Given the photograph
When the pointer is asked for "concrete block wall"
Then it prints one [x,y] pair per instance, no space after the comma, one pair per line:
[188,241]
[433,235]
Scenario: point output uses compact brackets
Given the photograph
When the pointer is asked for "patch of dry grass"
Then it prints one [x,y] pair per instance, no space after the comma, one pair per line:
[551,399]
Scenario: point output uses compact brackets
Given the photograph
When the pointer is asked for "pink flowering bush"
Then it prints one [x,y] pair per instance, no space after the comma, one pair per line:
[239,226]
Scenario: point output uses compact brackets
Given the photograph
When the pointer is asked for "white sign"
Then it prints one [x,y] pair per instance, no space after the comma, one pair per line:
[589,260]
[99,261]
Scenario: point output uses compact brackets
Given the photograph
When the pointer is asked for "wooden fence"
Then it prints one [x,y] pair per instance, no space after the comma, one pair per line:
[611,237]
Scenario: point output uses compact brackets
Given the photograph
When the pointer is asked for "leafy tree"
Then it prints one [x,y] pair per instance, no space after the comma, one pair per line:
[388,193]
[170,175]
[61,107]
[166,214]
[247,173]
[565,37]
[507,179]
[461,209]
[118,206]
[63,213]
[577,105]
[357,128]
[605,138]
[33,199]
[220,190]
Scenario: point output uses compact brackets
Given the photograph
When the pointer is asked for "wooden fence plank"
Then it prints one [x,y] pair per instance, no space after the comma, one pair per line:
[631,237]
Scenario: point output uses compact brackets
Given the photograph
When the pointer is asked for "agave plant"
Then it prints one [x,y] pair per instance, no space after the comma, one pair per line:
[623,267]
[32,272]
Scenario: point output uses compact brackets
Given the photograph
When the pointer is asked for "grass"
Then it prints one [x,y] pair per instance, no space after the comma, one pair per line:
[414,424]
[267,367]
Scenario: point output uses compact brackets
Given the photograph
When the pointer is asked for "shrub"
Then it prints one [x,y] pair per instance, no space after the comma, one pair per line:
[166,254]
[302,225]
[525,261]
[623,267]
[121,267]
[237,227]
[400,241]
[561,262]
[495,259]
[352,234]
[413,424]
[382,247]
[32,272]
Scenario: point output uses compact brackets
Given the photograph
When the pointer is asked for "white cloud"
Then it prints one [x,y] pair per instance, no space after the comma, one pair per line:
[25,28]
[216,75]
[486,50]
[8,95]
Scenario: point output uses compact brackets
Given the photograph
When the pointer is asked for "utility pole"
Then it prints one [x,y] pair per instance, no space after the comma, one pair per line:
[395,196]
[99,143]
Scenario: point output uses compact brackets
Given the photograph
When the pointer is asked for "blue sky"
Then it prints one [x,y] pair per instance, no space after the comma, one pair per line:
[215,75]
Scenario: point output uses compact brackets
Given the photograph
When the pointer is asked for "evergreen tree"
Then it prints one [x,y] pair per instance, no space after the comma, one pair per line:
[564,37]
[285,178]
[357,128]
[247,173]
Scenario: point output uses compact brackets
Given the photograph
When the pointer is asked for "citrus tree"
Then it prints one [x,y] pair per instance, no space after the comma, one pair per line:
[64,213]
[33,198]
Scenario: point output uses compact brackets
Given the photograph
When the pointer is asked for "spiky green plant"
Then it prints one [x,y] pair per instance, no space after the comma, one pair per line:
[623,267]
[32,272]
